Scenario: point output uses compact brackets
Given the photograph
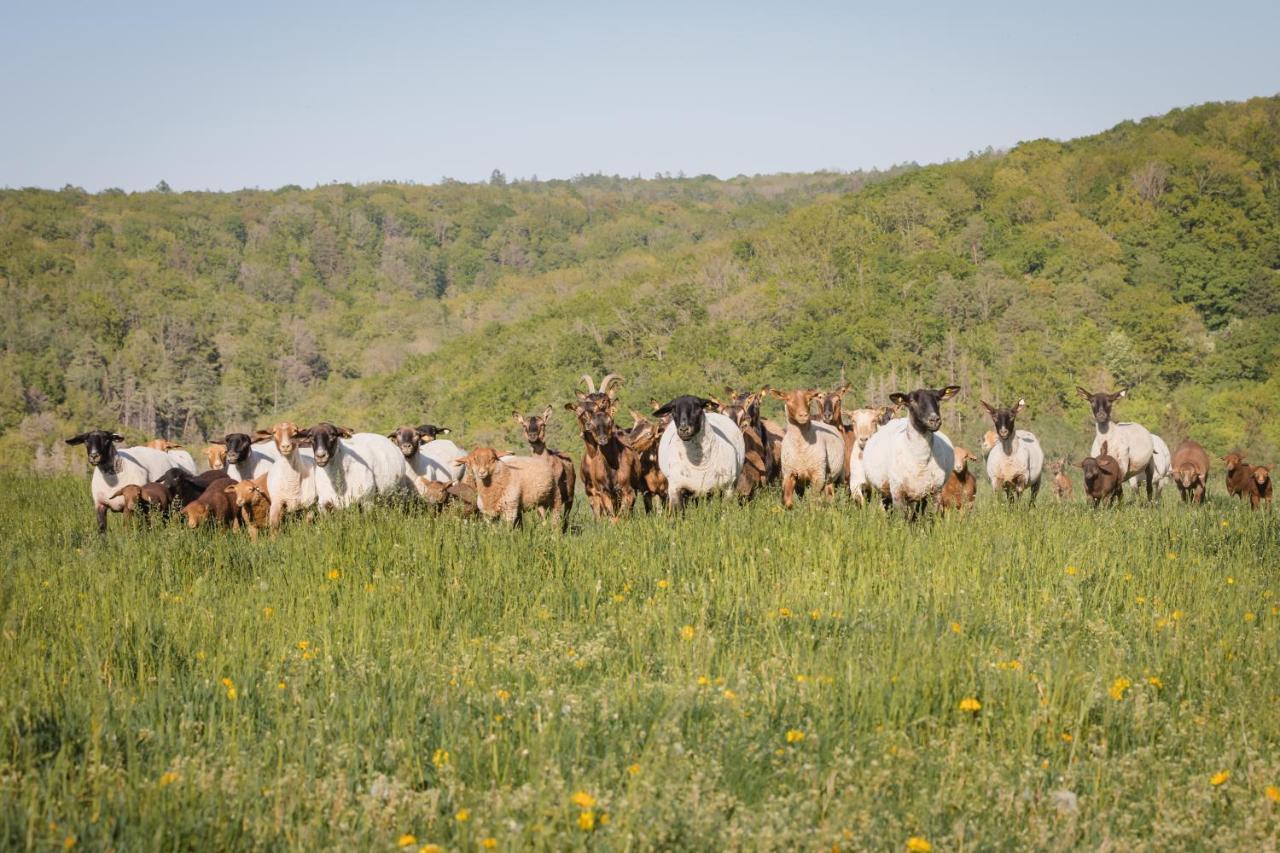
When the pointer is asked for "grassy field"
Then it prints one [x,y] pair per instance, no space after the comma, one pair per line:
[738,678]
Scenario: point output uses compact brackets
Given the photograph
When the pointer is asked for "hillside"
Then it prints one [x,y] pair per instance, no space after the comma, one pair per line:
[1147,255]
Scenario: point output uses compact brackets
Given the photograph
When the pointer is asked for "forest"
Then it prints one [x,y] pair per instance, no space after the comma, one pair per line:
[1146,256]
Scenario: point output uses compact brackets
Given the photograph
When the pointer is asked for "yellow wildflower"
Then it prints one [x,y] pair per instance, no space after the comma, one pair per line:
[663,584]
[1177,614]
[1250,616]
[1155,682]
[1141,599]
[226,682]
[970,704]
[955,627]
[440,758]
[703,681]
[586,820]
[268,612]
[503,695]
[431,848]
[1066,737]
[489,843]
[916,844]
[303,645]
[784,612]
[1273,793]
[815,614]
[168,778]
[1072,570]
[405,840]
[583,800]
[604,819]
[69,842]
[687,632]
[794,735]
[1230,580]
[1219,778]
[729,694]
[633,769]
[1118,688]
[334,574]
[1224,523]
[280,685]
[618,598]
[1170,555]
[462,815]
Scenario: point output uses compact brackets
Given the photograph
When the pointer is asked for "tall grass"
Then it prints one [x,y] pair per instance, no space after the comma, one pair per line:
[738,677]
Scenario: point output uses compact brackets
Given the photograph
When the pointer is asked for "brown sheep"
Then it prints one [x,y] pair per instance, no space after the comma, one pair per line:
[252,502]
[1062,487]
[144,499]
[1260,486]
[962,486]
[1191,471]
[1239,473]
[438,496]
[214,505]
[507,486]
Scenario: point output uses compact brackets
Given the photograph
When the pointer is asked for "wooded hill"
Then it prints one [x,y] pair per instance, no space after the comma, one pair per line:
[1146,256]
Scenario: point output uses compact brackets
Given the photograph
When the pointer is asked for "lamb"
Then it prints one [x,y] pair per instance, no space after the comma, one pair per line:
[989,440]
[812,451]
[144,499]
[700,452]
[1260,486]
[115,467]
[1062,488]
[909,460]
[508,486]
[535,432]
[244,457]
[1103,477]
[1131,444]
[213,506]
[863,424]
[962,486]
[186,487]
[1239,473]
[252,502]
[755,464]
[1016,460]
[643,438]
[429,457]
[1190,472]
[437,496]
[354,467]
[291,480]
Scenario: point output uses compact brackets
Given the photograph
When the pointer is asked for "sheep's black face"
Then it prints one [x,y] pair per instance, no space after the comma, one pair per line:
[688,413]
[100,446]
[407,439]
[922,406]
[239,445]
[1100,404]
[429,432]
[326,441]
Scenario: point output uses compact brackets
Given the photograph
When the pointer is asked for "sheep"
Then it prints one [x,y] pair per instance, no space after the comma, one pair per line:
[1161,467]
[1260,486]
[754,472]
[535,432]
[1239,473]
[214,505]
[1062,487]
[291,481]
[427,457]
[243,456]
[437,496]
[643,438]
[252,502]
[1016,461]
[700,452]
[180,457]
[812,451]
[354,467]
[909,460]
[1131,444]
[508,486]
[115,467]
[1190,471]
[143,499]
[962,486]
[1103,477]
[186,487]
[610,471]
[863,424]
[216,455]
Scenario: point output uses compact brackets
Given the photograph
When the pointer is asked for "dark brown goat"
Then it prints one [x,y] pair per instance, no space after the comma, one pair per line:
[1102,478]
[643,438]
[744,410]
[610,470]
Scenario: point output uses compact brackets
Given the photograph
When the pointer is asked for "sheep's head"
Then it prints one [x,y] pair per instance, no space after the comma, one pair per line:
[100,446]
[248,492]
[326,441]
[829,405]
[481,462]
[595,416]
[409,438]
[865,422]
[1261,474]
[434,493]
[688,413]
[922,406]
[534,426]
[1101,402]
[1004,418]
[216,454]
[237,446]
[797,403]
[285,434]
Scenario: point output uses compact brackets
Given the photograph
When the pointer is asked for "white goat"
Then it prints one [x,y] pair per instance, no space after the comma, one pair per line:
[1016,460]
[1129,444]
[908,460]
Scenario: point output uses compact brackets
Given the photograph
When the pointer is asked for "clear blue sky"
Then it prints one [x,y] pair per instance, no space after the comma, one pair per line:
[223,95]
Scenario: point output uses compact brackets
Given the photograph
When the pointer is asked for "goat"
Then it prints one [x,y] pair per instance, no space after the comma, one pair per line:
[185,487]
[863,424]
[1239,473]
[643,438]
[1103,477]
[291,481]
[909,460]
[1260,486]
[1131,444]
[252,502]
[812,451]
[831,413]
[610,471]
[535,432]
[1190,472]
[755,461]
[962,486]
[1016,461]
[1062,488]
[508,486]
[115,467]
[700,452]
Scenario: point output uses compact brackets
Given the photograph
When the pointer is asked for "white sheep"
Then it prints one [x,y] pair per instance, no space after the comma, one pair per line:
[863,424]
[116,467]
[354,467]
[1129,444]
[1161,466]
[700,452]
[908,460]
[1016,460]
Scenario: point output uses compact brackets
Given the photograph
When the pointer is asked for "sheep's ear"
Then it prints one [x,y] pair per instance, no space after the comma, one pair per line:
[218,441]
[465,460]
[948,392]
[571,407]
[229,490]
[78,439]
[344,432]
[1121,394]
[898,398]
[1022,404]
[262,435]
[662,410]
[1084,395]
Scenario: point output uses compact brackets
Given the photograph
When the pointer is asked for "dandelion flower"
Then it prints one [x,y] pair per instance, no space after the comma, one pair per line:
[955,627]
[663,584]
[431,848]
[703,681]
[1219,778]
[405,840]
[618,598]
[583,800]
[168,778]
[462,815]
[1155,682]
[1273,793]
[687,632]
[503,695]
[268,612]
[1170,555]
[1072,570]
[586,820]
[1066,737]
[1230,580]
[1118,688]
[794,735]
[334,574]
[784,612]
[970,704]
[69,842]
[231,693]
[916,844]
[489,843]
[815,614]
[729,694]
[280,685]
[303,645]
[633,769]
[226,682]
[440,758]
[1250,616]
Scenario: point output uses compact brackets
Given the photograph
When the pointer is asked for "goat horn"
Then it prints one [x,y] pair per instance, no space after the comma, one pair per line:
[604,383]
[591,385]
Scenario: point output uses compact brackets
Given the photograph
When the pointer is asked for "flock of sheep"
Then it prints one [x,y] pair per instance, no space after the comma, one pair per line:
[691,447]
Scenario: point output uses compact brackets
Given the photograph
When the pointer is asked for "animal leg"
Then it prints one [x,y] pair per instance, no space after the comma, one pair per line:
[788,490]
